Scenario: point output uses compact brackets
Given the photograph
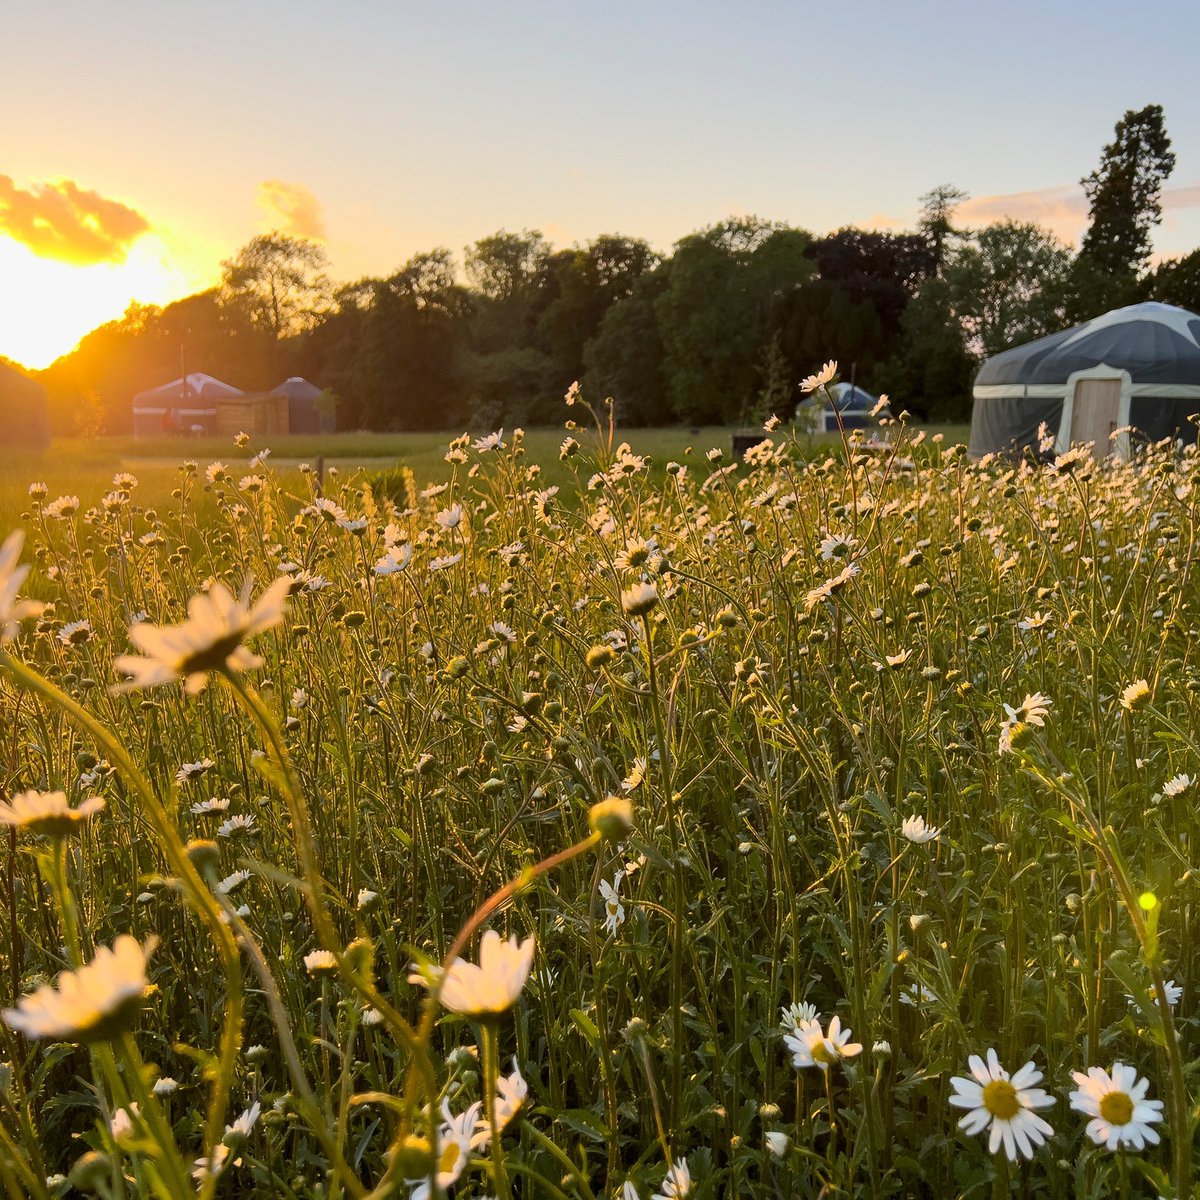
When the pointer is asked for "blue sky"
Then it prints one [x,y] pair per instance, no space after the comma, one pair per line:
[408,126]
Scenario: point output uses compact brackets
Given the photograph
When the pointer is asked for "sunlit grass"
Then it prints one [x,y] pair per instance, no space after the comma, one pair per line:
[906,739]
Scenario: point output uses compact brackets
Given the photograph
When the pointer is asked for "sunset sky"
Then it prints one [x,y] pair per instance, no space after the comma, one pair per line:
[145,142]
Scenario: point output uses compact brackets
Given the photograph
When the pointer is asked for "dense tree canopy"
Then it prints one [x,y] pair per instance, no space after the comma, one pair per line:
[1007,285]
[718,330]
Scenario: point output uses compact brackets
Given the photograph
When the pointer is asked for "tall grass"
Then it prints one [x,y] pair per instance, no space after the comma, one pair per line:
[823,645]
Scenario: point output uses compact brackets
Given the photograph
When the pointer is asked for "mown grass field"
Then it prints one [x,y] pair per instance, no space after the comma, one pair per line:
[775,665]
[86,466]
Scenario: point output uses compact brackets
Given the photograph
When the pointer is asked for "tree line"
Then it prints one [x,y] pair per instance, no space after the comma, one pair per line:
[718,331]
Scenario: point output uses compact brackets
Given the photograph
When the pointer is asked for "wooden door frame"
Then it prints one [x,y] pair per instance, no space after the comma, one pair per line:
[1101,372]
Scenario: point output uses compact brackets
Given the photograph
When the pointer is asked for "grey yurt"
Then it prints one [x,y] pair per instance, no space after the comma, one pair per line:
[1134,367]
[23,418]
[853,405]
[310,409]
[187,405]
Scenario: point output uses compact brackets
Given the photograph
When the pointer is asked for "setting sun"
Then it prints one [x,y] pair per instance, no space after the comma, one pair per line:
[47,305]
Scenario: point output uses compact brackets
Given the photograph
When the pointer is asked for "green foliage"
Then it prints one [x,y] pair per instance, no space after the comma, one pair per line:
[1007,285]
[726,295]
[1125,193]
[836,644]
[933,372]
[277,284]
[1177,281]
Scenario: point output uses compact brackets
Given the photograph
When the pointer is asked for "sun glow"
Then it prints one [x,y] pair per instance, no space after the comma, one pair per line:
[46,306]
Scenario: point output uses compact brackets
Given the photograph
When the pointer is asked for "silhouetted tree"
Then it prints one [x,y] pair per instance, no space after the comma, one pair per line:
[936,220]
[278,283]
[1125,192]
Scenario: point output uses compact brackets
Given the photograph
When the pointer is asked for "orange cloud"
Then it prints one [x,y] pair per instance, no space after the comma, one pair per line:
[1063,210]
[883,223]
[293,209]
[1182,197]
[66,222]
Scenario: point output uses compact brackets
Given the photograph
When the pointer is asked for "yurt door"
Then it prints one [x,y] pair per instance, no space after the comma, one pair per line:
[1095,413]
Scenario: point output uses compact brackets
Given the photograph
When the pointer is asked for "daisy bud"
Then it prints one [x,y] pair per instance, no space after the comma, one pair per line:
[612,819]
[776,1142]
[204,854]
[599,657]
[415,1156]
[92,1173]
[360,956]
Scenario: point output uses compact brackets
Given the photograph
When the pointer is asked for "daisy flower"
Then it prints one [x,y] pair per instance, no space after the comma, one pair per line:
[1173,991]
[454,1152]
[1116,1102]
[1006,1104]
[75,633]
[493,441]
[795,1015]
[209,640]
[915,829]
[811,1047]
[450,518]
[639,599]
[494,985]
[826,375]
[191,770]
[511,1091]
[677,1184]
[837,545]
[90,1004]
[1135,696]
[614,910]
[320,962]
[12,610]
[47,813]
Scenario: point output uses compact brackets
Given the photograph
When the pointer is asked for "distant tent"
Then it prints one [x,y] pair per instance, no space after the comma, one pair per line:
[182,406]
[310,408]
[1134,367]
[853,405]
[23,416]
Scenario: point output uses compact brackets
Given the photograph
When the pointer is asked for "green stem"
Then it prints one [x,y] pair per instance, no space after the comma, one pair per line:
[183,869]
[491,1070]
[678,899]
[169,1163]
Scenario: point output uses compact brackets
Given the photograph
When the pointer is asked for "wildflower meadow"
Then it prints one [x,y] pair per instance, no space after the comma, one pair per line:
[815,824]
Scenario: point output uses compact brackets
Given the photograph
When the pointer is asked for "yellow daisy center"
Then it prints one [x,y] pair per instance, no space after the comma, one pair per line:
[1116,1108]
[821,1053]
[448,1158]
[1000,1099]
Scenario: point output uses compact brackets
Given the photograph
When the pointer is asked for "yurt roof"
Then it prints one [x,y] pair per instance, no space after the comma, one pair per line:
[849,397]
[1158,344]
[297,388]
[199,387]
